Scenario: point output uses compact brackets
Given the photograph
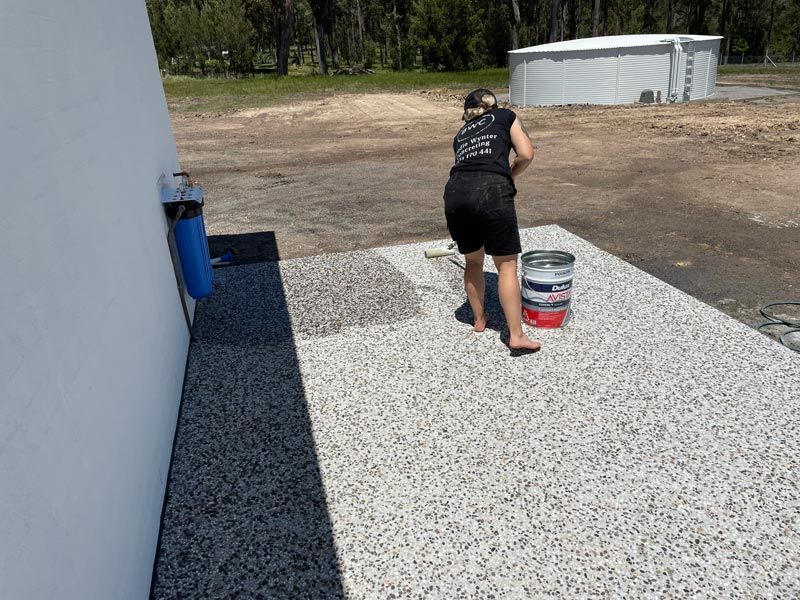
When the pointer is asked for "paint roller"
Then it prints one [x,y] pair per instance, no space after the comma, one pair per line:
[448,250]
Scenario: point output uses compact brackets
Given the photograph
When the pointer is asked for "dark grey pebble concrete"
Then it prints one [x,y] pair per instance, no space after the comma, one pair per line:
[345,433]
[747,92]
[725,92]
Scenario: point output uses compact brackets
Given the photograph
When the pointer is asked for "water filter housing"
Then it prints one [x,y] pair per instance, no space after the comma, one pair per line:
[190,238]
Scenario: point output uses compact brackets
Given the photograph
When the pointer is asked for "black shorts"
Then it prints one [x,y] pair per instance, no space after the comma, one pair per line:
[480,213]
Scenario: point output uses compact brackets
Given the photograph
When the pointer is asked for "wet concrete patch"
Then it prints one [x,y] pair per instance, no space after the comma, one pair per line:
[331,292]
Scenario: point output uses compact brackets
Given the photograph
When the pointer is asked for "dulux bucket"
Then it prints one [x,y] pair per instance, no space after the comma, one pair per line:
[547,287]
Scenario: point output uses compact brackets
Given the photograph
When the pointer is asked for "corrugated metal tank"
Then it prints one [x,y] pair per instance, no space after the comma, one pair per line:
[554,74]
[516,79]
[705,69]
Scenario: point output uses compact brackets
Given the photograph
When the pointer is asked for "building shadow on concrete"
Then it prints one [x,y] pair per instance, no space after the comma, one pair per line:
[245,513]
[248,248]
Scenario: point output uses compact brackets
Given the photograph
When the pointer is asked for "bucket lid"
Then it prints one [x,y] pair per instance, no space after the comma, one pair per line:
[547,259]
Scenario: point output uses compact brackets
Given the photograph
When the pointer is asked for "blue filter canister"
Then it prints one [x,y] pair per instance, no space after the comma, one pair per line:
[192,245]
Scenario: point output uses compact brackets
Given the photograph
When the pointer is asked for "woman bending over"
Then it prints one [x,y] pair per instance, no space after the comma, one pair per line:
[479,205]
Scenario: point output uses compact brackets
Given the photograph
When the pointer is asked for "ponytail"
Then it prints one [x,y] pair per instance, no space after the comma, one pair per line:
[486,101]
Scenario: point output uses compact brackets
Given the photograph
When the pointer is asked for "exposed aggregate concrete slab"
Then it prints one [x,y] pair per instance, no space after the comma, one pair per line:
[650,448]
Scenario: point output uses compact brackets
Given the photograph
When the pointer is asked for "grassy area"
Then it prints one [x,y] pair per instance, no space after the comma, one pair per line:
[193,94]
[188,93]
[784,76]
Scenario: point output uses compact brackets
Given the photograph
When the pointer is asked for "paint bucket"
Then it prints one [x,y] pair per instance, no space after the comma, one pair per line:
[547,287]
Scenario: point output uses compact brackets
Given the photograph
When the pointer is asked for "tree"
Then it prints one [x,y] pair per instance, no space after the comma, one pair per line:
[697,16]
[725,32]
[182,40]
[158,28]
[321,9]
[649,23]
[262,17]
[360,21]
[769,30]
[555,9]
[446,32]
[670,15]
[226,34]
[790,28]
[402,53]
[283,36]
[216,36]
[515,25]
[496,35]
[572,11]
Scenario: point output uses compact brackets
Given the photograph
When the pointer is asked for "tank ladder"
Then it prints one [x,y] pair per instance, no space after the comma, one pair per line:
[689,78]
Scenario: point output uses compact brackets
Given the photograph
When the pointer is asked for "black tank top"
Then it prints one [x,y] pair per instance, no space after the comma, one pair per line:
[483,144]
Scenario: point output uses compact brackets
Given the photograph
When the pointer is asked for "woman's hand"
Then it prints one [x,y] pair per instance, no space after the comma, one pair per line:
[523,148]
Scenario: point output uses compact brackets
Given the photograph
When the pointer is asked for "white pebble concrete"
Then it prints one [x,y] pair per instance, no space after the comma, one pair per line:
[379,448]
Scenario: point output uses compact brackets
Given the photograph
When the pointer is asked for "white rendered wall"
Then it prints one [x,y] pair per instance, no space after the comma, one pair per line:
[92,336]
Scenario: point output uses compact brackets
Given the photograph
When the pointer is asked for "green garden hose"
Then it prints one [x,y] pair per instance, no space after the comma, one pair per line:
[793,325]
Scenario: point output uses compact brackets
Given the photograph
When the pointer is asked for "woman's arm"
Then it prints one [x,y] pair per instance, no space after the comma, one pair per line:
[523,148]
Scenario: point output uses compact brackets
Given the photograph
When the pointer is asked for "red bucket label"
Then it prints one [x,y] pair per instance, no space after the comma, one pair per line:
[538,318]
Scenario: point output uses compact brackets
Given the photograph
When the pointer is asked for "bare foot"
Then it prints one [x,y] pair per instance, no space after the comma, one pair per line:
[523,343]
[480,325]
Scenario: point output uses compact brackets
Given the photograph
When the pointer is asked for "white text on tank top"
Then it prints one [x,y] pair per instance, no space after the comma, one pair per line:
[471,144]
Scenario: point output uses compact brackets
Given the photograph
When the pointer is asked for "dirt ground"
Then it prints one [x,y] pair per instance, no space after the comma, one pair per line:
[703,195]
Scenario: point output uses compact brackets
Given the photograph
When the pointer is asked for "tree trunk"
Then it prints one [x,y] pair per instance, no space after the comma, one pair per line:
[670,16]
[350,50]
[399,39]
[284,36]
[769,31]
[595,17]
[724,31]
[515,26]
[795,43]
[697,16]
[649,20]
[573,19]
[333,45]
[320,38]
[555,10]
[702,7]
[360,18]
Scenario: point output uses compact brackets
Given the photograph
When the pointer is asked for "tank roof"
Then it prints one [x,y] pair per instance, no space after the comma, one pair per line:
[616,41]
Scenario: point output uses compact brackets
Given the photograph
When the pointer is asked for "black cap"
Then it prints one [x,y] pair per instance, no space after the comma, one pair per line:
[474,98]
